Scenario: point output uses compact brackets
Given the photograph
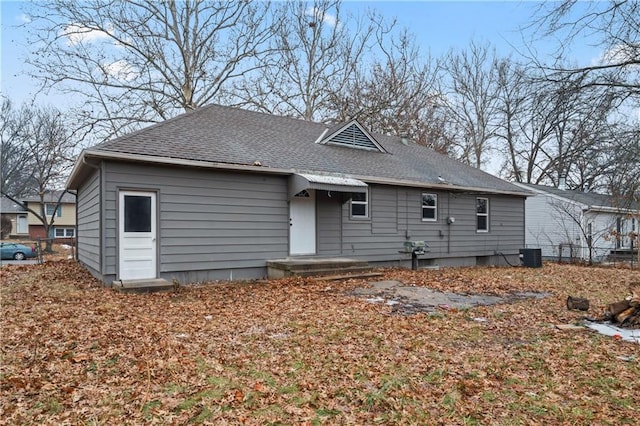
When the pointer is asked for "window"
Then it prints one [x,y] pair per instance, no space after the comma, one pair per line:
[359,204]
[482,214]
[65,232]
[50,208]
[137,213]
[429,207]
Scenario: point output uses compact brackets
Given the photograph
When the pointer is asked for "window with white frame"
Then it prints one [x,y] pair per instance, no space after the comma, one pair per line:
[50,208]
[65,232]
[429,207]
[359,204]
[482,214]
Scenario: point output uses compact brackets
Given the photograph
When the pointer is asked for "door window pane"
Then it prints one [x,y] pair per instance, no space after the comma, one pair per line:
[137,213]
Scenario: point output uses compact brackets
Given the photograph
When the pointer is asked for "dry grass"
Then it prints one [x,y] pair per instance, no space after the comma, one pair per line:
[303,352]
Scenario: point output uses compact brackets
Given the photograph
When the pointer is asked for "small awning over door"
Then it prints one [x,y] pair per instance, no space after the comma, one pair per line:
[301,181]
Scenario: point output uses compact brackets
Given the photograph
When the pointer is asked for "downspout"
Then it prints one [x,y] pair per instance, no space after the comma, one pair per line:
[448,224]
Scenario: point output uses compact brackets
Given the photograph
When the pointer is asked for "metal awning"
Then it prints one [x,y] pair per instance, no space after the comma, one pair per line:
[301,181]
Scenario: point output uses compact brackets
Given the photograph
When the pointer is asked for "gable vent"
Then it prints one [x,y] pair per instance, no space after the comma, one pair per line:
[353,137]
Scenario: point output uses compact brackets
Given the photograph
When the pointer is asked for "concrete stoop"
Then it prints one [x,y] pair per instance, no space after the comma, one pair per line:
[143,286]
[306,267]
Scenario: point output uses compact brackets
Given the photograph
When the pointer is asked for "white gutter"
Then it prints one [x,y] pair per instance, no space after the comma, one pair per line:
[607,209]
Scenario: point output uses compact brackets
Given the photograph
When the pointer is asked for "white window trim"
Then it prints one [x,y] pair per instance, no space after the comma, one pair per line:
[482,214]
[65,232]
[366,207]
[434,208]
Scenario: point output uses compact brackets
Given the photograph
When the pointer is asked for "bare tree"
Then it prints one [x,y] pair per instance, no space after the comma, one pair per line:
[44,153]
[550,129]
[587,228]
[623,177]
[316,51]
[15,157]
[514,93]
[615,27]
[471,87]
[134,62]
[5,226]
[397,94]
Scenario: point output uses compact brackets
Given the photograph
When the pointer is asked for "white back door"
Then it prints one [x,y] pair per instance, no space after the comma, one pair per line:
[302,223]
[137,235]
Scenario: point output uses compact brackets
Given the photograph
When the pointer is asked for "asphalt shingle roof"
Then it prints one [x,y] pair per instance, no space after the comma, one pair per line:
[220,134]
[8,206]
[591,199]
[52,197]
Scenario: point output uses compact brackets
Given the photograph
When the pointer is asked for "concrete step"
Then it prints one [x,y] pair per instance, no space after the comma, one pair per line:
[348,276]
[306,267]
[329,271]
[309,264]
[143,286]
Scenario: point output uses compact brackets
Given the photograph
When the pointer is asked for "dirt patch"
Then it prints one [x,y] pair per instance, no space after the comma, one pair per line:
[408,300]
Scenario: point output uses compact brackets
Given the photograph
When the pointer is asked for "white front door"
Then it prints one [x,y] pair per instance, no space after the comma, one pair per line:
[22,225]
[302,223]
[137,235]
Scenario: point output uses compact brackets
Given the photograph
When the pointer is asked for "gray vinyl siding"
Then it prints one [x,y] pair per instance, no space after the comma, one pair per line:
[384,217]
[328,223]
[224,225]
[88,223]
[375,239]
[206,220]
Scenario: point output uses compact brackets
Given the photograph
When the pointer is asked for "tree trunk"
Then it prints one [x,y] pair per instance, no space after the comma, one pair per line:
[614,309]
[578,303]
[624,315]
[634,289]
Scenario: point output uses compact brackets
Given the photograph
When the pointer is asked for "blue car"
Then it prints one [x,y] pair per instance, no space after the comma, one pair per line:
[17,251]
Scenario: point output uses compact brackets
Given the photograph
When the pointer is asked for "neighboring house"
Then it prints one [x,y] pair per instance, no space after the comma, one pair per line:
[17,216]
[577,225]
[218,192]
[64,222]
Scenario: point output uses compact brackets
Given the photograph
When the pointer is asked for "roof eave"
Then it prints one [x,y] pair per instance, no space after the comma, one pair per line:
[75,172]
[609,209]
[73,182]
[444,187]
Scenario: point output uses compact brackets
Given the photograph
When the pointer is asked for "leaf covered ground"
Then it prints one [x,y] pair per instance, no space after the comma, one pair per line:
[299,351]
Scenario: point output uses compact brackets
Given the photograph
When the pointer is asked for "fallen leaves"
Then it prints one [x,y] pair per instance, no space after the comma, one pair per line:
[306,352]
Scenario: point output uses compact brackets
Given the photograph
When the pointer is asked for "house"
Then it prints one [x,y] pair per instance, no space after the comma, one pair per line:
[218,192]
[15,215]
[572,224]
[64,222]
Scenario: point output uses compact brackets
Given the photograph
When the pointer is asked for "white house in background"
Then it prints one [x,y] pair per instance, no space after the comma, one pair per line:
[561,222]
